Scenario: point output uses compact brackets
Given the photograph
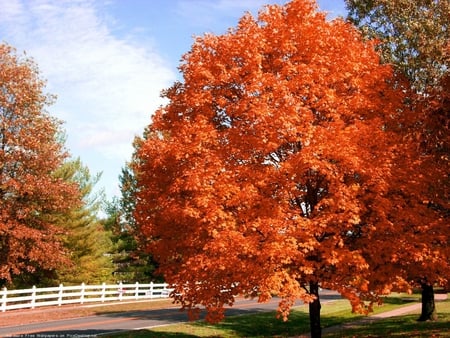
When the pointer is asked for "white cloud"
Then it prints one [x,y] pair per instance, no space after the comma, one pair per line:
[107,87]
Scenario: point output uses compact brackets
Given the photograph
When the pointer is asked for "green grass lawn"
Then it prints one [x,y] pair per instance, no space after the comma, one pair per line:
[402,326]
[332,314]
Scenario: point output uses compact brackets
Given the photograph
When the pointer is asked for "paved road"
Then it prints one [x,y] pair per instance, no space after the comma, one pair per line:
[103,324]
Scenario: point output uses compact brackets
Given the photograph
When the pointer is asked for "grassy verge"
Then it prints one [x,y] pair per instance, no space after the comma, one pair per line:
[401,326]
[332,314]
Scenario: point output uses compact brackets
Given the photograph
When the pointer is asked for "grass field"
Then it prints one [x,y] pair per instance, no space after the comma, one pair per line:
[332,314]
[402,326]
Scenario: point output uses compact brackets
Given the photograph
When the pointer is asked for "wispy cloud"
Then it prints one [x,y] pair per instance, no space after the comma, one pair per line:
[106,87]
[107,73]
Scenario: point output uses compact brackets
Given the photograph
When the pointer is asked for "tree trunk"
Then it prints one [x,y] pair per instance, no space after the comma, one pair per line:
[428,306]
[314,311]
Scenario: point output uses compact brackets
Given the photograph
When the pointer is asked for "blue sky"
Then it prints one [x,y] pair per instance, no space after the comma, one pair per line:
[108,60]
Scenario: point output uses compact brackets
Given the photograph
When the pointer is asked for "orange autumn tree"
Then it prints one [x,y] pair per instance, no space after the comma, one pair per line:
[29,155]
[414,36]
[414,252]
[429,222]
[255,175]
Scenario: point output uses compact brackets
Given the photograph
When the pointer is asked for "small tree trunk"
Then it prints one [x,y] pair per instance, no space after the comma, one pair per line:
[314,311]
[428,306]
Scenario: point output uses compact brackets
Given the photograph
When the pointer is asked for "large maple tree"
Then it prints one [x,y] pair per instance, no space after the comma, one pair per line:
[270,161]
[30,152]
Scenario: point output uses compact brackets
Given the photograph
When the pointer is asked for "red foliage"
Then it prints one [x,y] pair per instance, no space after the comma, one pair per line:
[29,154]
[271,167]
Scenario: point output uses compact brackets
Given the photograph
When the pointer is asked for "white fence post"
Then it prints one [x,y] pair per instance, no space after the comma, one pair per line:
[136,291]
[60,295]
[82,293]
[121,291]
[166,291]
[4,298]
[33,296]
[151,290]
[103,292]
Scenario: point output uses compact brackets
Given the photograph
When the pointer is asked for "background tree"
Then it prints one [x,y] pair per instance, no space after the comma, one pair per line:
[413,34]
[414,37]
[271,153]
[84,237]
[131,263]
[29,156]
[432,134]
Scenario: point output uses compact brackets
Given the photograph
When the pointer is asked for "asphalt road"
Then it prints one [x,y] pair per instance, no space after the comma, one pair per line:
[102,324]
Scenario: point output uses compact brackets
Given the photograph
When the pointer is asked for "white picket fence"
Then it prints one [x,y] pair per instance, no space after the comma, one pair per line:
[80,294]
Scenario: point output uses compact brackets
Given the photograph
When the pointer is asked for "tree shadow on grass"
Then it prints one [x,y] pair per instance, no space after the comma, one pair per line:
[267,325]
[400,300]
[263,325]
[404,326]
[151,334]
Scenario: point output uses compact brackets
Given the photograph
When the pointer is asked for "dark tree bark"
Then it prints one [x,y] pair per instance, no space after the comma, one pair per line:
[428,305]
[314,311]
